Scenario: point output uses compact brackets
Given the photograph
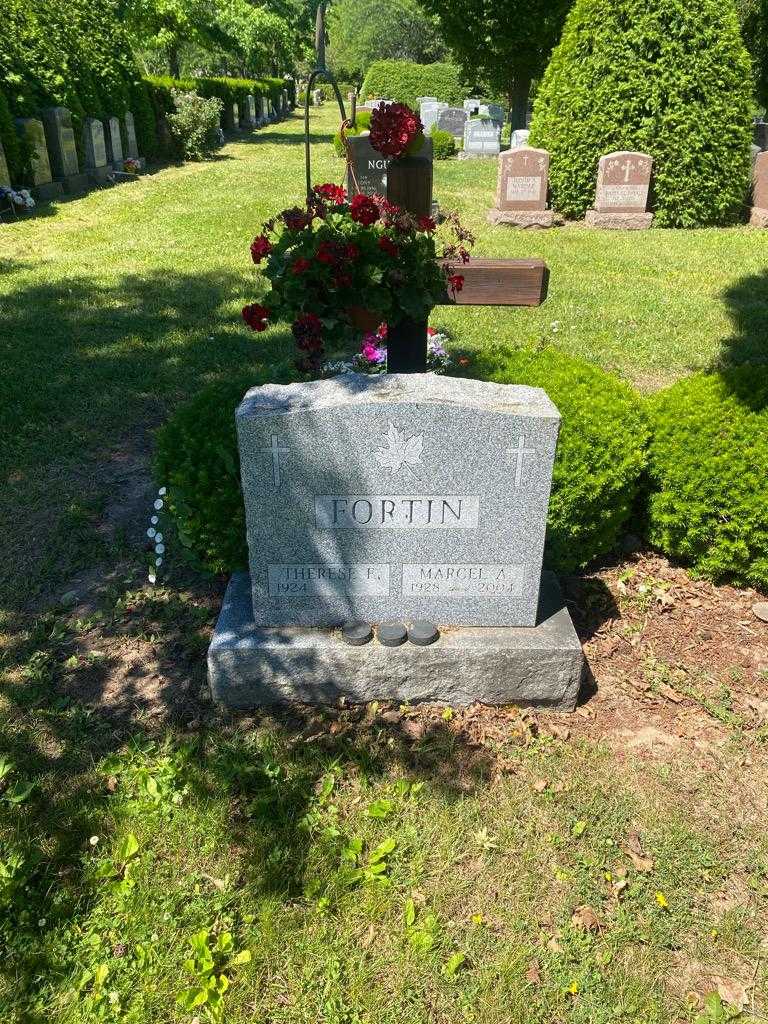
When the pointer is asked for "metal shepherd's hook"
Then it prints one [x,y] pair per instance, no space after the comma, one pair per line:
[321,71]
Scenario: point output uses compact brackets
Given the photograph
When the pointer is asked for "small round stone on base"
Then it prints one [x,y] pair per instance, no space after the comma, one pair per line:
[392,634]
[423,633]
[356,634]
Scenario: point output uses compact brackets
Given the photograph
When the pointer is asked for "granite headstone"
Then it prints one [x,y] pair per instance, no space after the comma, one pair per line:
[95,150]
[429,113]
[759,214]
[481,138]
[519,138]
[62,151]
[32,131]
[496,114]
[410,496]
[114,143]
[623,184]
[472,105]
[452,119]
[521,191]
[5,177]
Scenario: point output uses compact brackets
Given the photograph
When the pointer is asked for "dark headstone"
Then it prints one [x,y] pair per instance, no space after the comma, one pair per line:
[453,120]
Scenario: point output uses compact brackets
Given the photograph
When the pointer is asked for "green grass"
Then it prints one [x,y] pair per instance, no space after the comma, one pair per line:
[137,836]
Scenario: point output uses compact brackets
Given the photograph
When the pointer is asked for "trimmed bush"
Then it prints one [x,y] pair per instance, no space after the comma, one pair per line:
[601,453]
[667,77]
[707,468]
[362,124]
[196,458]
[403,81]
[195,124]
[443,144]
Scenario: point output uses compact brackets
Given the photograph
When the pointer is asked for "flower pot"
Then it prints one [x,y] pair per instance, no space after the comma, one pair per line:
[364,320]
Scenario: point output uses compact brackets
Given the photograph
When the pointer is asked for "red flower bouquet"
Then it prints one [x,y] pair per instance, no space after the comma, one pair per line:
[396,131]
[335,256]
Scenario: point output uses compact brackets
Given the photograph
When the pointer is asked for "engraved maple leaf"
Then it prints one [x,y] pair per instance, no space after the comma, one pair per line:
[400,451]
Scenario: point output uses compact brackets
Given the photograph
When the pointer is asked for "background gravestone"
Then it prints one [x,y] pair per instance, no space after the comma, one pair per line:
[623,184]
[426,99]
[521,192]
[368,169]
[95,149]
[452,120]
[32,131]
[472,106]
[114,143]
[759,214]
[132,145]
[62,151]
[429,113]
[264,108]
[761,134]
[403,497]
[5,177]
[496,114]
[481,138]
[519,138]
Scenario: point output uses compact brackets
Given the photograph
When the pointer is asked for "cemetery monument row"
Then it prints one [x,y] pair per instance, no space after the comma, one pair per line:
[396,529]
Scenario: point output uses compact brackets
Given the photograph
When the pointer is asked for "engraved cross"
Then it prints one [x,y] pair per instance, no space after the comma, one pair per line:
[519,453]
[275,451]
[628,166]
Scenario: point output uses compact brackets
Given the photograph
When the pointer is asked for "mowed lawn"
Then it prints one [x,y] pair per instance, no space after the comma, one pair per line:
[371,866]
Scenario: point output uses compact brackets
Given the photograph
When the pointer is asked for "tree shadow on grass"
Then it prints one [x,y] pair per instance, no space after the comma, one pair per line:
[747,303]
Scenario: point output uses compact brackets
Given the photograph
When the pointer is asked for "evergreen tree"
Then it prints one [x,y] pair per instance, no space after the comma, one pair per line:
[667,77]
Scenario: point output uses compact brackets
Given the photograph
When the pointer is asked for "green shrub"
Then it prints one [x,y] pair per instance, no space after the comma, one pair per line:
[362,124]
[195,124]
[707,470]
[196,458]
[403,81]
[667,77]
[443,144]
[600,455]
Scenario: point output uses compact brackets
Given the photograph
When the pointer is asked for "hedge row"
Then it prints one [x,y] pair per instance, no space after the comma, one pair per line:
[688,463]
[77,55]
[403,81]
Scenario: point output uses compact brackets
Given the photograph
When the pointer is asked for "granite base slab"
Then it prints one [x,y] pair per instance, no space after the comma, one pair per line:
[49,190]
[758,217]
[99,175]
[618,221]
[522,218]
[250,666]
[75,184]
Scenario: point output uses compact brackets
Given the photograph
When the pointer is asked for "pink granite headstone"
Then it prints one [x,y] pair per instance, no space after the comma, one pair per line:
[623,185]
[521,190]
[759,215]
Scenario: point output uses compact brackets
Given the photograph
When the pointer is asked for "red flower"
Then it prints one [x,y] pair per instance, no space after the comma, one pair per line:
[426,224]
[256,316]
[364,210]
[351,252]
[326,253]
[381,330]
[296,219]
[394,126]
[300,265]
[260,247]
[388,246]
[331,193]
[456,281]
[343,280]
[431,332]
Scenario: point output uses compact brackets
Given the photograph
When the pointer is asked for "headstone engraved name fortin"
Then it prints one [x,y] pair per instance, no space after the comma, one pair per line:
[521,192]
[623,185]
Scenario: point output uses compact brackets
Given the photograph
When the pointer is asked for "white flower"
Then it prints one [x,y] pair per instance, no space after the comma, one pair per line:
[152,578]
[158,562]
[163,491]
[154,520]
[158,538]
[151,532]
[159,549]
[93,840]
[159,504]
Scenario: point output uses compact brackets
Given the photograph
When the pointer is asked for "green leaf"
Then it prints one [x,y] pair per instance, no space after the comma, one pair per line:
[453,964]
[380,808]
[410,913]
[579,828]
[19,792]
[127,849]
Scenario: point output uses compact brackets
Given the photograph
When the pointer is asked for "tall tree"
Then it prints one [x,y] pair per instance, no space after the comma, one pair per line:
[361,32]
[507,43]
